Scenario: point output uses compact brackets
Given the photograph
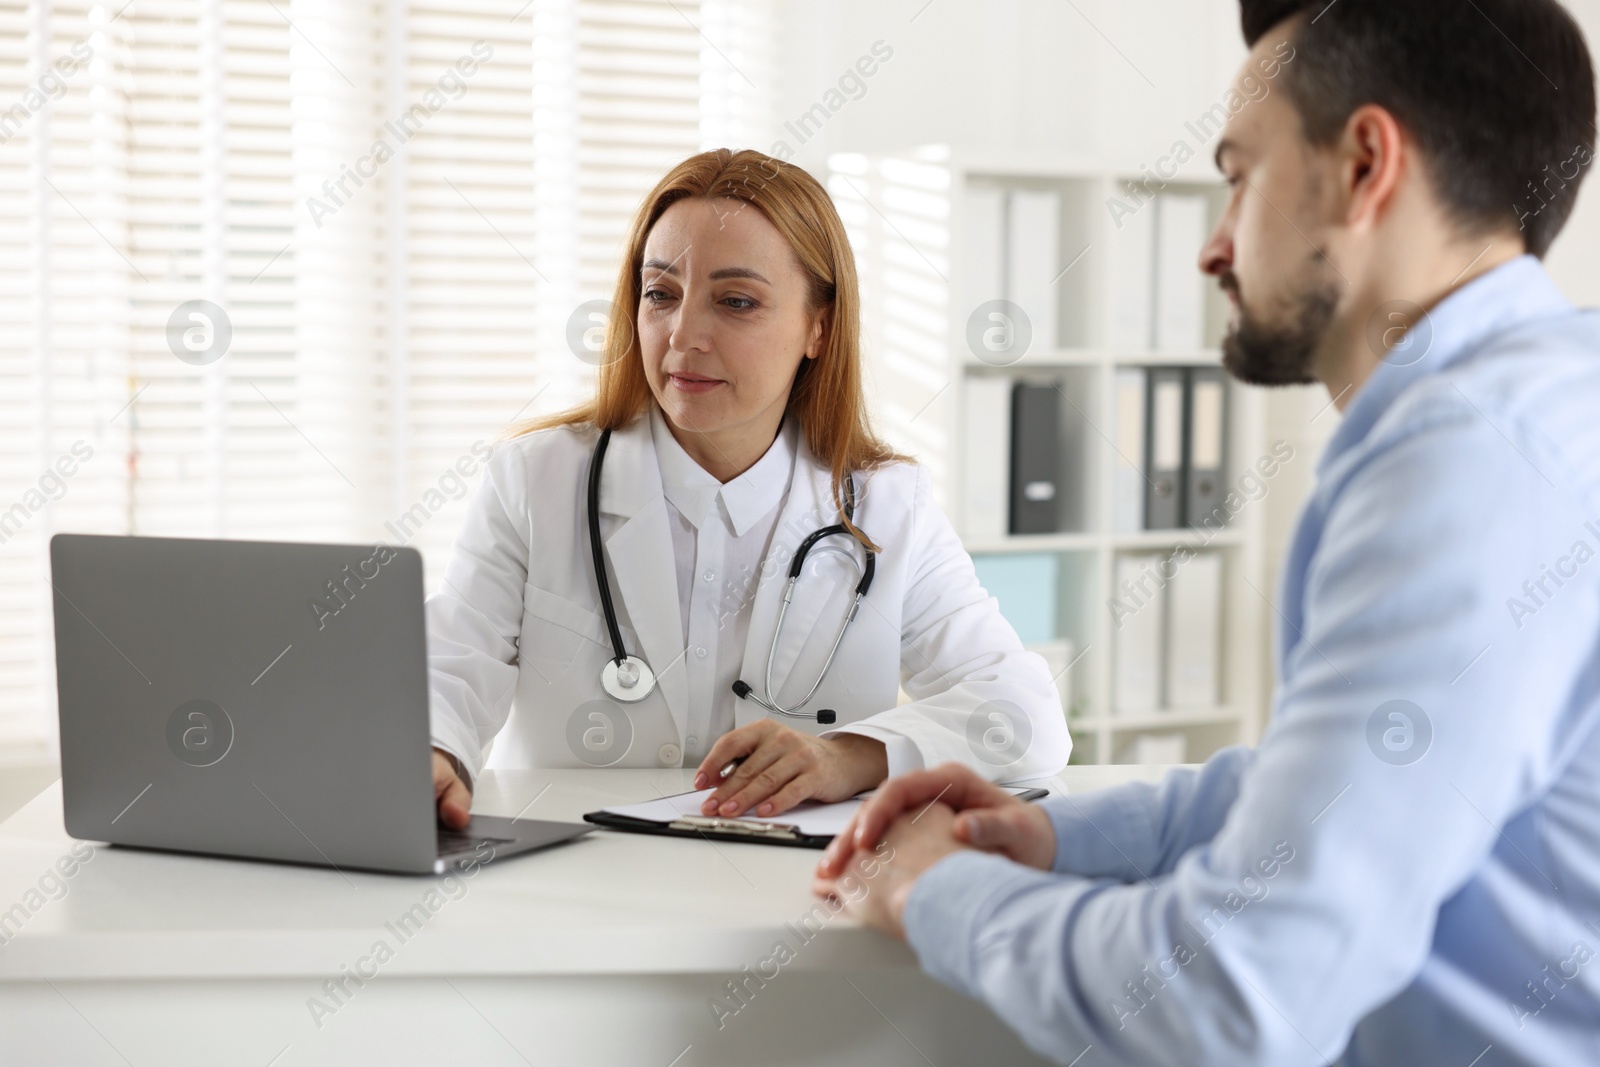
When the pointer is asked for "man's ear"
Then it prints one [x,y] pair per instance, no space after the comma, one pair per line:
[819,330]
[1375,154]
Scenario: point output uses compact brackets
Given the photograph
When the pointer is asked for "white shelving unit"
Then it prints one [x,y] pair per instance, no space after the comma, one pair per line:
[905,213]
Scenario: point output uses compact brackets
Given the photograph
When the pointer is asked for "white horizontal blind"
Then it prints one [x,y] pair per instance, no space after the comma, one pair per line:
[226,448]
[739,74]
[616,103]
[463,255]
[390,308]
[638,114]
[897,213]
[23,433]
[65,313]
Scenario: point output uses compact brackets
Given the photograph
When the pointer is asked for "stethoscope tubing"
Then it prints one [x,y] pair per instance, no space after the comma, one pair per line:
[630,679]
[597,550]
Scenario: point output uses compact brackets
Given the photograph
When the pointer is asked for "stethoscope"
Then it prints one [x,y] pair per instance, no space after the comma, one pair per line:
[630,679]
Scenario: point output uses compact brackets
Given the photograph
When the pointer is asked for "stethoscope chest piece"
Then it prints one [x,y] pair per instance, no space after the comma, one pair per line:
[628,679]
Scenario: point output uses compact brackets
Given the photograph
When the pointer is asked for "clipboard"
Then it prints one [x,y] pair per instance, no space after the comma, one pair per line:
[807,825]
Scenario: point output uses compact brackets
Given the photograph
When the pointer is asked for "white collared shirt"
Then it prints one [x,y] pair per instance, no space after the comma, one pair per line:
[720,535]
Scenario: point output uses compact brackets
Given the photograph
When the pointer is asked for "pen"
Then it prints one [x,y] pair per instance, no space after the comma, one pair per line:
[727,768]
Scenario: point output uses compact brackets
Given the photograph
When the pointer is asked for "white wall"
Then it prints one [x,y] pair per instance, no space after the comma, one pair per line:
[1111,81]
[1010,75]
[1002,76]
[1575,259]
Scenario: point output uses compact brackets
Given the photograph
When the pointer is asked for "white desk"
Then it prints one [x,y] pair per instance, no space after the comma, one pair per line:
[609,950]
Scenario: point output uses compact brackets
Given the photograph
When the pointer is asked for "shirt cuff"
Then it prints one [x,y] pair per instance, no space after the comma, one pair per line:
[1097,832]
[900,751]
[902,755]
[949,906]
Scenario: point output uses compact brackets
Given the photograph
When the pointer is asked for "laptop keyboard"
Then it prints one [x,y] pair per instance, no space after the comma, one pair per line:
[452,842]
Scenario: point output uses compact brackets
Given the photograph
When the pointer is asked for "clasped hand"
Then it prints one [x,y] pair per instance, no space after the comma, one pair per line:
[923,817]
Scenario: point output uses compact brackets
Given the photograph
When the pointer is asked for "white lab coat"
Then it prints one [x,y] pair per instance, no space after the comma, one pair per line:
[519,617]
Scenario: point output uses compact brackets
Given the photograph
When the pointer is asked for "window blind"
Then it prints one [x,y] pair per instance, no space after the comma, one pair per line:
[388,210]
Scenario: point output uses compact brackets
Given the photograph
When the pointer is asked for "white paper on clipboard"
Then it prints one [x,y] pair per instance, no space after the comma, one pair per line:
[808,818]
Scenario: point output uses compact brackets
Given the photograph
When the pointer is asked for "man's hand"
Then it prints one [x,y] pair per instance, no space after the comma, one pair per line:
[989,818]
[783,766]
[875,885]
[450,793]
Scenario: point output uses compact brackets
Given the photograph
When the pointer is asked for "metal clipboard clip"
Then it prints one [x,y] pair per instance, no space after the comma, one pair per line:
[779,831]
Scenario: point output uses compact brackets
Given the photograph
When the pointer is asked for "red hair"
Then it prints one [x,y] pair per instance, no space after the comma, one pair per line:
[827,397]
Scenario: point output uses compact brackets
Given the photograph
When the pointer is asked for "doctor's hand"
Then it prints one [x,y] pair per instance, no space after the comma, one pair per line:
[783,766]
[988,818]
[450,793]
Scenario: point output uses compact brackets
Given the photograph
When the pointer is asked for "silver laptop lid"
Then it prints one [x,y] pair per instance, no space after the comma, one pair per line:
[245,698]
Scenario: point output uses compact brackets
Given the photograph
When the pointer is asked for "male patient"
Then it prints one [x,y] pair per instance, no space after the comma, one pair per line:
[1407,869]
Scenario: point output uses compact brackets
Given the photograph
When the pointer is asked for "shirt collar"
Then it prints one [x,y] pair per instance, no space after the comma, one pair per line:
[693,490]
[1513,293]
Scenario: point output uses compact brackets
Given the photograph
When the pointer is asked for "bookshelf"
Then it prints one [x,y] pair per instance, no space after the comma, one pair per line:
[912,218]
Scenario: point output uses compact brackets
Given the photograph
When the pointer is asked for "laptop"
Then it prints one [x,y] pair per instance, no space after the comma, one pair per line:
[258,700]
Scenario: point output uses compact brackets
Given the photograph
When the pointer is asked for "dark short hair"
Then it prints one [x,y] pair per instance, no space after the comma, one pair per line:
[1499,95]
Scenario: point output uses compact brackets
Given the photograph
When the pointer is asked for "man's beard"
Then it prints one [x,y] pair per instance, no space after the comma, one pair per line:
[1264,354]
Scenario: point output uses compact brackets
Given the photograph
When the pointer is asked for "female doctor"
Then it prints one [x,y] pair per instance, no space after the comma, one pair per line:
[715,562]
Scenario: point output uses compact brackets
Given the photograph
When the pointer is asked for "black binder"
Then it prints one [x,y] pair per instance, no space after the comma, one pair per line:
[1205,421]
[1036,459]
[711,828]
[1163,450]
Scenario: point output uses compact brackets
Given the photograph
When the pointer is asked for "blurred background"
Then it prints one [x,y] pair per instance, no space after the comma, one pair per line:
[284,269]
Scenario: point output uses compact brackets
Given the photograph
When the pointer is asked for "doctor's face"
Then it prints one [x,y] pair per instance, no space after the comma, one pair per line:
[724,319]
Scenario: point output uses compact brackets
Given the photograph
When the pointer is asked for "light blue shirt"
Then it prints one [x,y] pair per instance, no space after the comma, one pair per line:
[1407,869]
